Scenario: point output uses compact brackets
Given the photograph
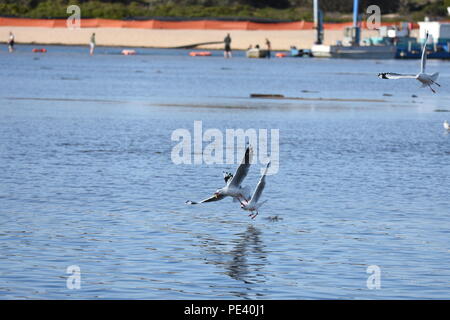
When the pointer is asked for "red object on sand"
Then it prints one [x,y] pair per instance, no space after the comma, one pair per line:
[129,52]
[200,53]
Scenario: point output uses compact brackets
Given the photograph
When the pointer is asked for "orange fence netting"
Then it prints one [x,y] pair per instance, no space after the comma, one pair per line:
[159,24]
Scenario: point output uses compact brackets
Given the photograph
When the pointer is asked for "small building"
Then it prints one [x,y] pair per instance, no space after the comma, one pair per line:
[439,32]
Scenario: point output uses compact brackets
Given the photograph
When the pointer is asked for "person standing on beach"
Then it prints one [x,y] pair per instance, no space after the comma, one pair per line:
[227,41]
[269,48]
[92,44]
[11,42]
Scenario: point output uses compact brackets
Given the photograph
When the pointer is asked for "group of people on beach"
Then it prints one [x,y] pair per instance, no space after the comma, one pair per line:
[268,46]
[227,49]
[227,41]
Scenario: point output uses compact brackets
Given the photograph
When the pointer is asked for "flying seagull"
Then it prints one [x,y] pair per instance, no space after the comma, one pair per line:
[424,78]
[253,205]
[446,125]
[233,182]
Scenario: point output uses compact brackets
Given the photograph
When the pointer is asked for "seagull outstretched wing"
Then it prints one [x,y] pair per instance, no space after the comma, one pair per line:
[391,75]
[210,199]
[423,61]
[259,187]
[243,168]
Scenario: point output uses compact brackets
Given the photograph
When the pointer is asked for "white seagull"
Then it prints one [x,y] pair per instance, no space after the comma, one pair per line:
[424,78]
[446,125]
[233,182]
[253,205]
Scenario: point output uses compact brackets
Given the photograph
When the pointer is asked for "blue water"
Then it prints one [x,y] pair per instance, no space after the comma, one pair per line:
[86,178]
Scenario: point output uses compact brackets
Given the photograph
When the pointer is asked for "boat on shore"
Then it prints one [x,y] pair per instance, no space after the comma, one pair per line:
[354,52]
[257,53]
[351,47]
[300,52]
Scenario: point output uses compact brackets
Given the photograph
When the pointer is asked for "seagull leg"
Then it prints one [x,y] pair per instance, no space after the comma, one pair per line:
[243,201]
[432,89]
[437,84]
[254,215]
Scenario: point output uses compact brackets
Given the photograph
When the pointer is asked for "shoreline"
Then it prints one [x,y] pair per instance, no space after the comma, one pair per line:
[281,40]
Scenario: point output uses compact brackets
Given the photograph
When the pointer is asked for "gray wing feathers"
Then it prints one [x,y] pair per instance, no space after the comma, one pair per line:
[260,186]
[392,75]
[424,55]
[210,199]
[243,168]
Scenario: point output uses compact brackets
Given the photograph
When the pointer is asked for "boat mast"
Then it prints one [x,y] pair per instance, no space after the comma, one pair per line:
[356,34]
[318,22]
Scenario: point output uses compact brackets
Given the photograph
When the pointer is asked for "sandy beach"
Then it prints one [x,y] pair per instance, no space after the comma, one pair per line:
[165,38]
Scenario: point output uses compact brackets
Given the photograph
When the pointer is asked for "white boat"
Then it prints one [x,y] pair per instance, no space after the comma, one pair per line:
[257,53]
[354,52]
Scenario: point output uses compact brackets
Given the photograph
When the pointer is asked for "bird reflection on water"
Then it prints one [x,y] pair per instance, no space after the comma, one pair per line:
[248,247]
[244,262]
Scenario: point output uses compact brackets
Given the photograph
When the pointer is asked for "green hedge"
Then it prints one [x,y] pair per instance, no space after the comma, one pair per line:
[97,9]
[126,9]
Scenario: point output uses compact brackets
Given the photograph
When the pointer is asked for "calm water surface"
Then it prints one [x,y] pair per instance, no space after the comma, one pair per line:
[86,178]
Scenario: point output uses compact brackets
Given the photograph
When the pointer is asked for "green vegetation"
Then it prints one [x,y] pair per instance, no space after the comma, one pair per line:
[264,9]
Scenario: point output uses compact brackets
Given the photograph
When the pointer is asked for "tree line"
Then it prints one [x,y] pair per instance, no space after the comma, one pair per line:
[262,9]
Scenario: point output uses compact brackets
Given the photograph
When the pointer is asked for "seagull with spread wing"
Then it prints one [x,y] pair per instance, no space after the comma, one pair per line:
[253,205]
[422,77]
[233,186]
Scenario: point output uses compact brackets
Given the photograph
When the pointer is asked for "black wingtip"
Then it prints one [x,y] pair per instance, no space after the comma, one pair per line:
[247,154]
